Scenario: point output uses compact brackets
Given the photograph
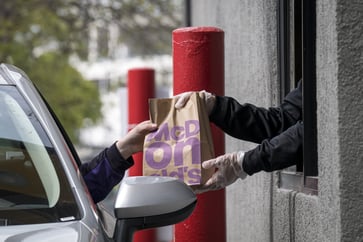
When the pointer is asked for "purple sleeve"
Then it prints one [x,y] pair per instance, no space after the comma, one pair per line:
[104,172]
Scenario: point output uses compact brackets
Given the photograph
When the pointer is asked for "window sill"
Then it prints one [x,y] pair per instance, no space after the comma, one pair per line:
[295,181]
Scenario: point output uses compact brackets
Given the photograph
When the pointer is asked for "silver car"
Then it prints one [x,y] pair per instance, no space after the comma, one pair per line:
[42,194]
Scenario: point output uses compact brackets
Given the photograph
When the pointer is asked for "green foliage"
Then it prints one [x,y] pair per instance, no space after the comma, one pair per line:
[146,26]
[31,37]
[71,97]
[39,36]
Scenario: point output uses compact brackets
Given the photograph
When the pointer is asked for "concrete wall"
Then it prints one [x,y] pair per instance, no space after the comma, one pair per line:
[256,209]
[340,129]
[328,137]
[250,75]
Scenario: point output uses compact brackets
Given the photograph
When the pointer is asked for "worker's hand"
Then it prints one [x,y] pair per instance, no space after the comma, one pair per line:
[133,142]
[229,169]
[209,100]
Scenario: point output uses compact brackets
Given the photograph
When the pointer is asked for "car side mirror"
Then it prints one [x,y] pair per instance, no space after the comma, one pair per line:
[146,202]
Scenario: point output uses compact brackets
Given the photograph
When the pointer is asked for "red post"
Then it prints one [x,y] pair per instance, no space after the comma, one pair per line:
[198,64]
[141,87]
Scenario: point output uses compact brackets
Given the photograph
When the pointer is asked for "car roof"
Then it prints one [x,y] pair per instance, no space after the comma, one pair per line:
[10,75]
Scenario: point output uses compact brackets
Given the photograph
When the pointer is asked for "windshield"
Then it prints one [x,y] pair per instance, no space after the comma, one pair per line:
[33,185]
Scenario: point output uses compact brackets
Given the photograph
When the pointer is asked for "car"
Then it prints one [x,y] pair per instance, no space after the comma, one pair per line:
[42,194]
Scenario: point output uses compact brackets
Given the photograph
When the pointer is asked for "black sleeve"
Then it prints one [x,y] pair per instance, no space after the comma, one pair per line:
[251,123]
[277,153]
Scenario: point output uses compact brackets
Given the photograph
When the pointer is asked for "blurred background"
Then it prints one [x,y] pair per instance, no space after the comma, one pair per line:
[78,52]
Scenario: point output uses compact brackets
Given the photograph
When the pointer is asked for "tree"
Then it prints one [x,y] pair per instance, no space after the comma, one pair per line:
[39,36]
[144,26]
[29,37]
[72,98]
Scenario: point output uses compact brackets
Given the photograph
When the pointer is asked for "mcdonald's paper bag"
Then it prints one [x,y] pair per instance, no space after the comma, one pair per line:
[181,143]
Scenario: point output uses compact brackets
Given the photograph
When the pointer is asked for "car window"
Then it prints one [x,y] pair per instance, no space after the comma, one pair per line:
[33,185]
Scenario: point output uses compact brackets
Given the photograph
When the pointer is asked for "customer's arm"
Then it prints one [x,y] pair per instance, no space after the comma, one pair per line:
[108,168]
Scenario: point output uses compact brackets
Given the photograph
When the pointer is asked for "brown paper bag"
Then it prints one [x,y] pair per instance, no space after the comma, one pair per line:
[181,143]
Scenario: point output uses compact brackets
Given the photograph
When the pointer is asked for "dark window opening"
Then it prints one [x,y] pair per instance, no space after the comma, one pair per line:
[309,88]
[296,53]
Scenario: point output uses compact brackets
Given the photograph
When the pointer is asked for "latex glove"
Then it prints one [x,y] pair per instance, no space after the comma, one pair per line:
[133,142]
[209,100]
[229,169]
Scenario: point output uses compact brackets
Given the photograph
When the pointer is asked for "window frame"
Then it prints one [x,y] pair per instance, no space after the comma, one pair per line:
[66,206]
[296,57]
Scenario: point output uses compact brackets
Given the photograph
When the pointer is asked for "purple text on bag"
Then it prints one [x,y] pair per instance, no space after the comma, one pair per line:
[193,175]
[184,137]
[191,128]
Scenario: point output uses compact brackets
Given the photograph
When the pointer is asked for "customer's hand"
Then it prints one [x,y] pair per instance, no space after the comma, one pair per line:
[133,142]
[209,100]
[229,169]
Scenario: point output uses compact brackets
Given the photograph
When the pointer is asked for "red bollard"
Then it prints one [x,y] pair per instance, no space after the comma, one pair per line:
[141,87]
[198,64]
